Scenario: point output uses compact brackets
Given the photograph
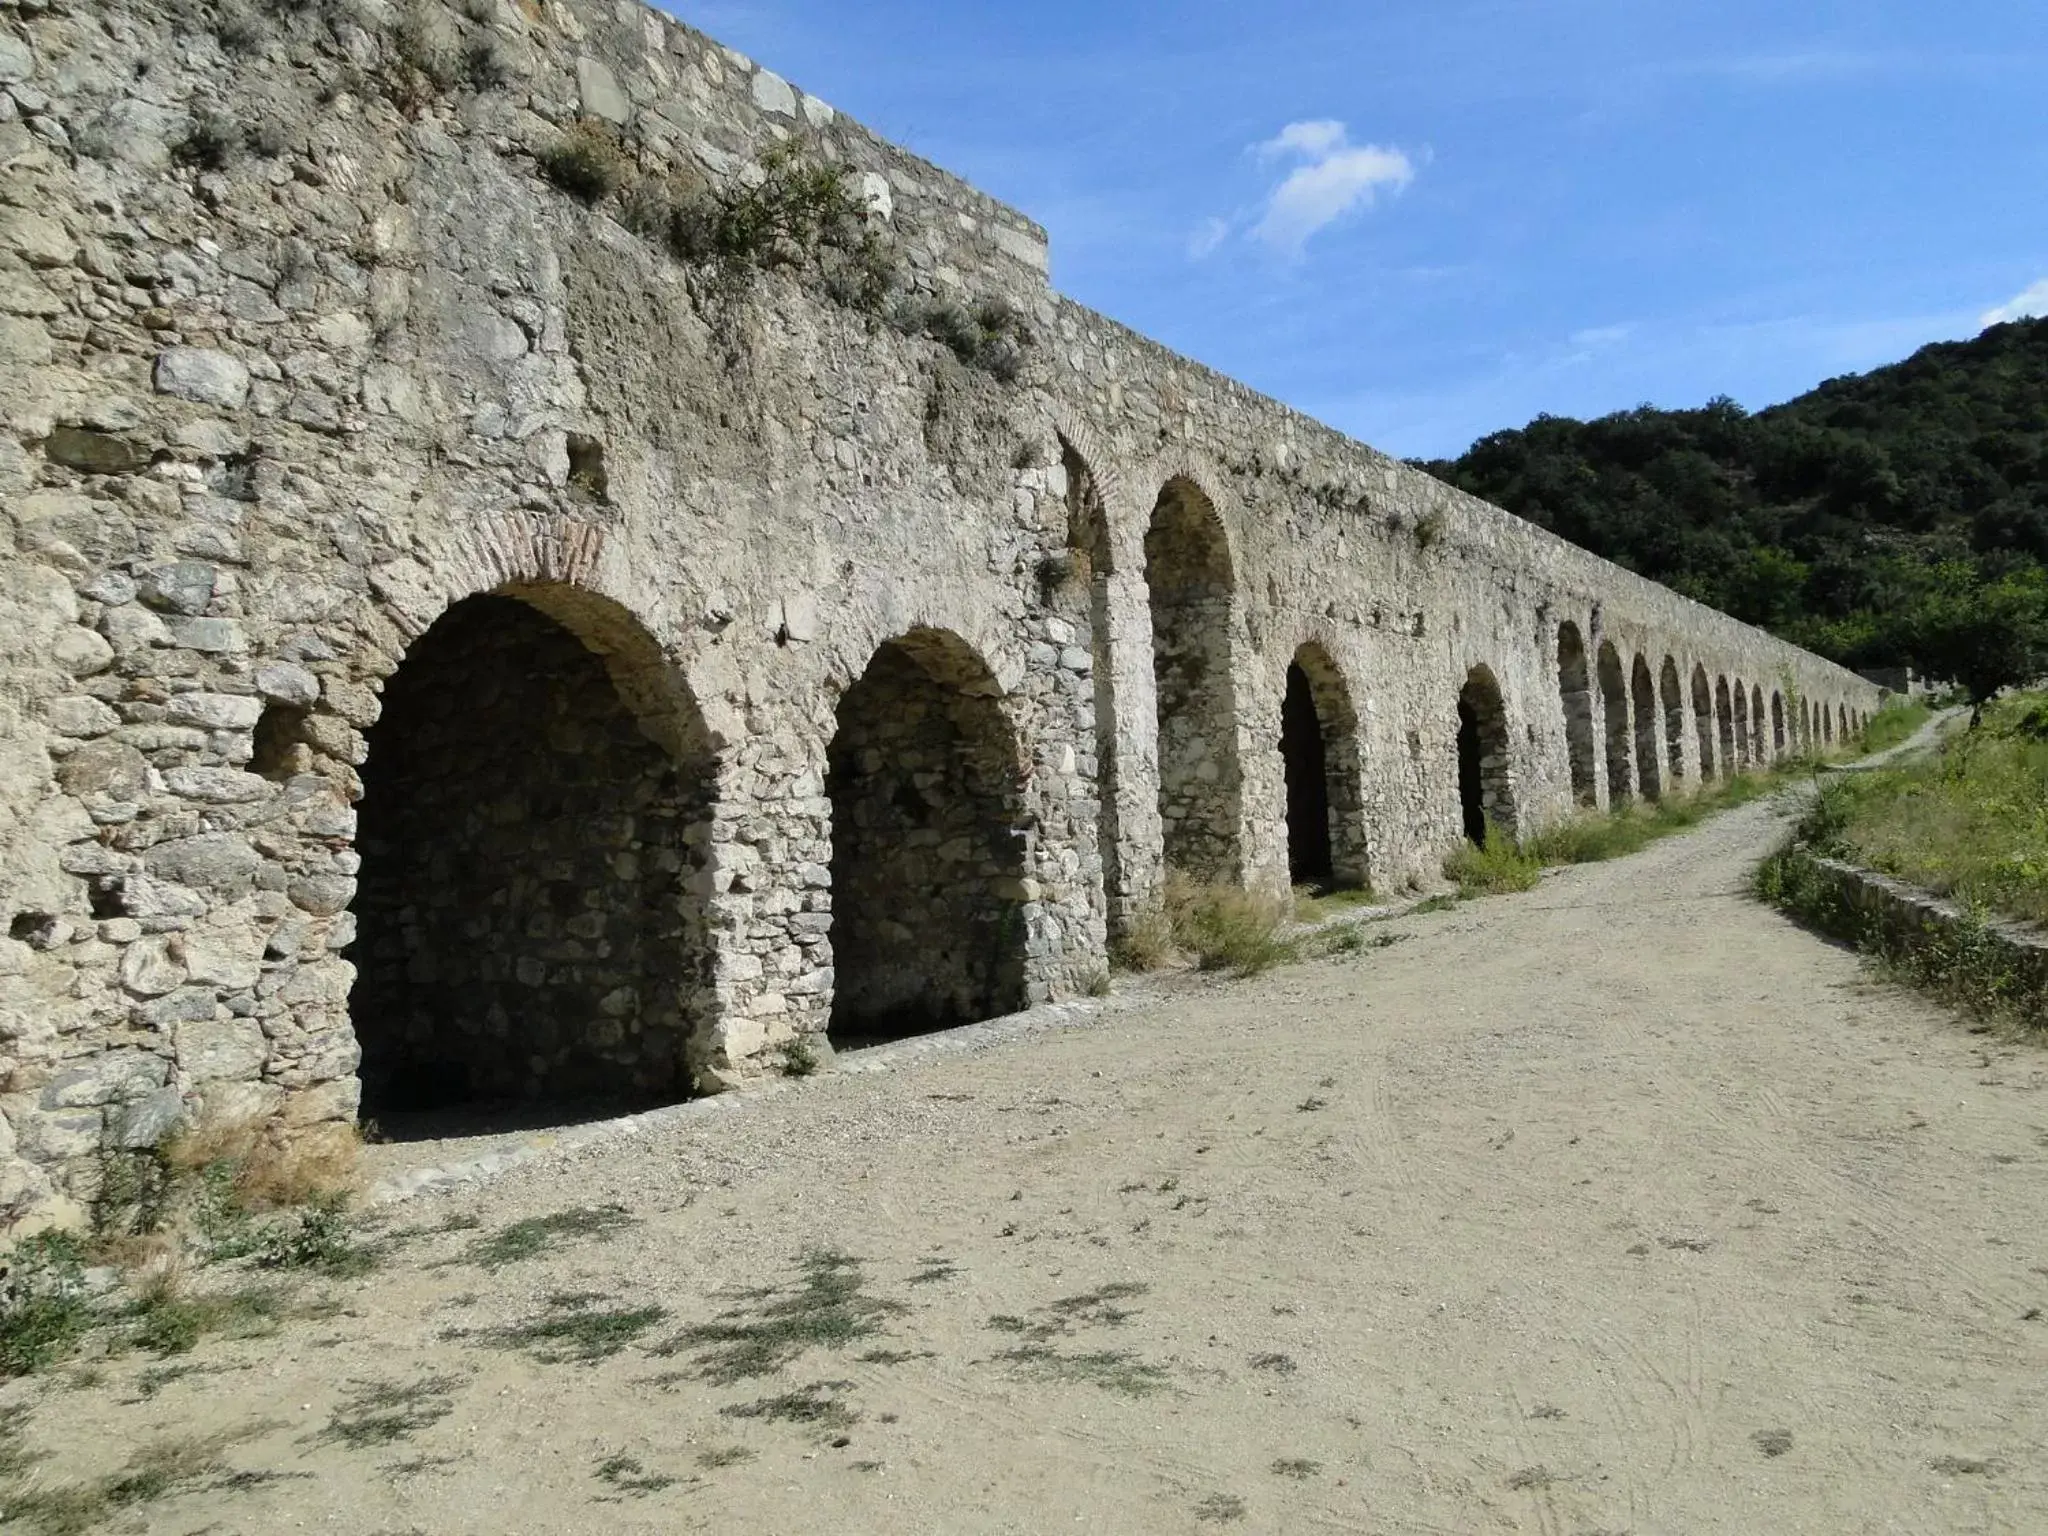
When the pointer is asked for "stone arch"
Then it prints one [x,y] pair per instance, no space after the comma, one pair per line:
[1190,580]
[1827,725]
[1486,780]
[926,785]
[1672,697]
[1614,697]
[1321,754]
[1743,757]
[1843,711]
[1575,689]
[1778,743]
[1643,691]
[1759,750]
[1703,721]
[536,793]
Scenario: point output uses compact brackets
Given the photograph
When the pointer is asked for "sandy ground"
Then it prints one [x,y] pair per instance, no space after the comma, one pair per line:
[1621,1206]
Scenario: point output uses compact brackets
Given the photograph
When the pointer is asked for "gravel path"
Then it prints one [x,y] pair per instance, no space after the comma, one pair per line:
[1622,1205]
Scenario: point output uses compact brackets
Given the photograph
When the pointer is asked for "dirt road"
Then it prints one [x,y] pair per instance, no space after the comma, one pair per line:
[1619,1206]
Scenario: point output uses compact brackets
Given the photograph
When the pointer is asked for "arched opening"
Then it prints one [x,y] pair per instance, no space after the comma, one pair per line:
[1756,724]
[1724,719]
[1644,698]
[1703,721]
[536,793]
[1188,576]
[1614,696]
[1486,784]
[1320,753]
[1777,725]
[928,845]
[1827,725]
[1843,710]
[1673,699]
[1575,688]
[1805,725]
[1742,753]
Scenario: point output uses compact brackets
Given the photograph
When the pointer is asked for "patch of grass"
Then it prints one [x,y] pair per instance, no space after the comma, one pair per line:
[171,1325]
[1220,1509]
[1298,1467]
[629,1477]
[589,161]
[1530,1479]
[1896,722]
[319,1237]
[827,1308]
[1146,943]
[154,1473]
[800,1057]
[724,1456]
[1096,983]
[380,1413]
[1969,822]
[43,1307]
[537,1234]
[1278,1364]
[820,1405]
[990,335]
[574,1330]
[1772,1442]
[1112,1370]
[1495,869]
[1227,928]
[1433,904]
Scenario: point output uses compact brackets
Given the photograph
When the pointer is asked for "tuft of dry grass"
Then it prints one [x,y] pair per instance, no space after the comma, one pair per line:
[1228,928]
[1146,943]
[265,1168]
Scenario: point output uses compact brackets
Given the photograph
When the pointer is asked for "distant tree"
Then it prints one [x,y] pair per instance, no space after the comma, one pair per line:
[1826,518]
[1982,635]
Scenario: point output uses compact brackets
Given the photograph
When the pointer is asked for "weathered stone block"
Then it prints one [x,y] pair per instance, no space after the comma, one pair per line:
[112,1078]
[214,1050]
[203,375]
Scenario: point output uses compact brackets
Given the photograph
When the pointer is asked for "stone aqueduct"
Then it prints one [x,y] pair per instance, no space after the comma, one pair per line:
[439,662]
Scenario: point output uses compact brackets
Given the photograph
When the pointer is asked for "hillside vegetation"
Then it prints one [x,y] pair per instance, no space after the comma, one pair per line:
[1865,520]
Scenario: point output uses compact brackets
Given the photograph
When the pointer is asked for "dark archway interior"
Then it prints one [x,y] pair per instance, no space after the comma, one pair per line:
[1309,856]
[1486,794]
[522,935]
[1649,778]
[1188,580]
[928,926]
[1471,777]
[1614,696]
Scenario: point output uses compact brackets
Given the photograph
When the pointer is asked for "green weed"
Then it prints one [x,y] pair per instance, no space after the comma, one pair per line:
[575,1330]
[43,1306]
[827,1308]
[537,1234]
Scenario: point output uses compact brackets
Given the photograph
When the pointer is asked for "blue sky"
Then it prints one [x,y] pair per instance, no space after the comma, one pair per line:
[1423,220]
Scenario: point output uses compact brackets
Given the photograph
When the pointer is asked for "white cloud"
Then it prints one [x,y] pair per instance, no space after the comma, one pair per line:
[1314,139]
[1212,233]
[1337,177]
[2031,305]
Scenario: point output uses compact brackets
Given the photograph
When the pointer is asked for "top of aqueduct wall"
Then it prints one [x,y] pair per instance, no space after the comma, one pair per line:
[636,66]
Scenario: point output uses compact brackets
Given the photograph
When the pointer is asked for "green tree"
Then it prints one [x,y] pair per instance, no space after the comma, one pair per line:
[1982,635]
